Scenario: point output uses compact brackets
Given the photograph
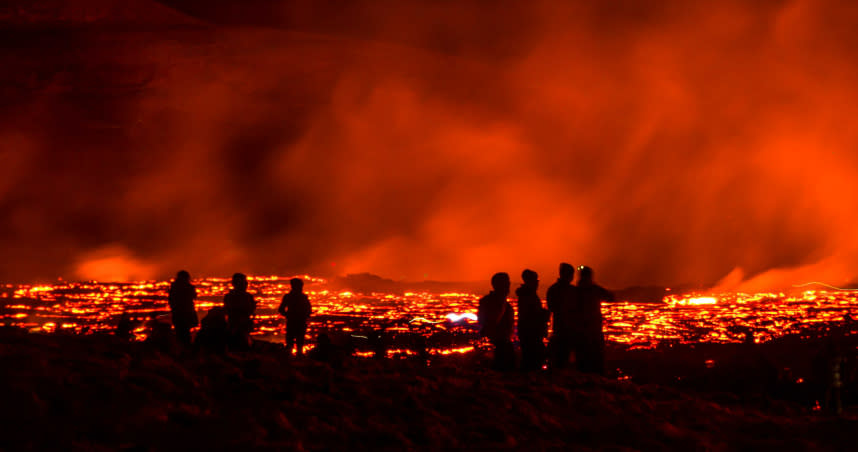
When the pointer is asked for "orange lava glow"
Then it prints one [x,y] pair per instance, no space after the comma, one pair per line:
[662,143]
[714,318]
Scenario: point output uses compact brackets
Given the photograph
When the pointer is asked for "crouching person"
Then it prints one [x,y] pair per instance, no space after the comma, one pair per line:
[213,334]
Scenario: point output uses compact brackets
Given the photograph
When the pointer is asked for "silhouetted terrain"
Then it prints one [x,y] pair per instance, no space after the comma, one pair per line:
[96,392]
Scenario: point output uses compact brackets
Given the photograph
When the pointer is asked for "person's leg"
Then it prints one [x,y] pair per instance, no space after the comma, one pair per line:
[508,355]
[531,355]
[583,355]
[299,340]
[590,356]
[564,349]
[555,353]
[183,335]
[504,358]
[599,356]
[496,354]
[525,354]
[290,340]
[535,354]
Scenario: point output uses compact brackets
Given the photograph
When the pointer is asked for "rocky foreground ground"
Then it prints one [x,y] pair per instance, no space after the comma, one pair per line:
[100,393]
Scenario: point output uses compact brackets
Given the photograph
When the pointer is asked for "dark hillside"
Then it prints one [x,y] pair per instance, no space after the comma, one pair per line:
[97,393]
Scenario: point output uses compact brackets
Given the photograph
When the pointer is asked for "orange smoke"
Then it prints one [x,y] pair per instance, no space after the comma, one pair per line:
[668,143]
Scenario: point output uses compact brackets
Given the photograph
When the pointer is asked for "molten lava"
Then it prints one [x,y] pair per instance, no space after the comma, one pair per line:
[446,320]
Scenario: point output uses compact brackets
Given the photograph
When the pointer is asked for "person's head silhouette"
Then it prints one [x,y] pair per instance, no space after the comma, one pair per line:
[183,277]
[567,272]
[501,283]
[297,284]
[530,278]
[239,282]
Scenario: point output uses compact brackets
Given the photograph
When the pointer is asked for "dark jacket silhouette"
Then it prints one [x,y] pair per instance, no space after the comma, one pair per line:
[562,298]
[181,299]
[214,334]
[496,320]
[532,322]
[589,339]
[296,307]
[496,317]
[240,307]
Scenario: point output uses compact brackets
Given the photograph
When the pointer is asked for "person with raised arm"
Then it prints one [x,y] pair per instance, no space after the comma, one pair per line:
[589,337]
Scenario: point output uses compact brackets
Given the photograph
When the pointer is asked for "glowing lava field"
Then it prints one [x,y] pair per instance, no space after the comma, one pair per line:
[441,318]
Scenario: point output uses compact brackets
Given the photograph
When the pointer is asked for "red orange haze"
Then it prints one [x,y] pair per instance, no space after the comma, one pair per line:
[658,142]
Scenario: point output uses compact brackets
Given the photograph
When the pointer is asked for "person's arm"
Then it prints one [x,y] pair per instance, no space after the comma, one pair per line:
[488,316]
[607,295]
[282,308]
[171,297]
[499,311]
[508,317]
[550,300]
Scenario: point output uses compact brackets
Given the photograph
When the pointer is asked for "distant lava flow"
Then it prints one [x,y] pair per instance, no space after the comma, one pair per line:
[714,318]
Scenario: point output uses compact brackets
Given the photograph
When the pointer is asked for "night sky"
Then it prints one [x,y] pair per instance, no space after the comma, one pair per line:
[658,142]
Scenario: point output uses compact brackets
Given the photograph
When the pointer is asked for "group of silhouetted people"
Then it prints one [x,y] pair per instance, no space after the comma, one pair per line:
[575,313]
[230,326]
[573,310]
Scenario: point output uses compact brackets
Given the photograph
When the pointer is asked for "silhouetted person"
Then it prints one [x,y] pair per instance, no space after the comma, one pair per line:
[561,298]
[532,322]
[213,334]
[239,306]
[378,343]
[125,327]
[828,376]
[589,339]
[295,306]
[496,321]
[323,350]
[158,332]
[181,299]
[327,351]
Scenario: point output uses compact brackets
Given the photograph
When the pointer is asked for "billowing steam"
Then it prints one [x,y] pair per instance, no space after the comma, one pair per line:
[664,144]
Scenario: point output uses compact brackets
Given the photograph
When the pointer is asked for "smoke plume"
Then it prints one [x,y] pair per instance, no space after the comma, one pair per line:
[658,143]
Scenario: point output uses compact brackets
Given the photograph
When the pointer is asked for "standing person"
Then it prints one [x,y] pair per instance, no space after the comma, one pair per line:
[239,306]
[590,343]
[532,322]
[496,321]
[181,300]
[561,298]
[296,308]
